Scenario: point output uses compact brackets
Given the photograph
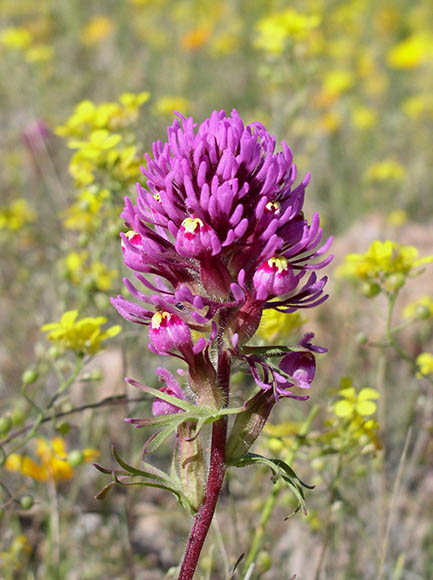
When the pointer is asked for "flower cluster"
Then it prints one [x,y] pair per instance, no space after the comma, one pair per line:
[385,266]
[97,132]
[219,236]
[54,462]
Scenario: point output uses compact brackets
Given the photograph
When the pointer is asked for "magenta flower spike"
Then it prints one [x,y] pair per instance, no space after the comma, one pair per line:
[218,235]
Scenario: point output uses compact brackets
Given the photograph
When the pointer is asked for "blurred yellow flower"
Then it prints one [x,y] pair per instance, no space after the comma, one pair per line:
[228,40]
[425,364]
[93,275]
[363,117]
[397,218]
[88,117]
[387,170]
[273,30]
[274,324]
[194,39]
[421,308]
[39,53]
[82,215]
[419,106]
[82,336]
[382,259]
[352,402]
[412,52]
[97,30]
[15,557]
[166,105]
[330,122]
[16,215]
[52,465]
[17,38]
[335,83]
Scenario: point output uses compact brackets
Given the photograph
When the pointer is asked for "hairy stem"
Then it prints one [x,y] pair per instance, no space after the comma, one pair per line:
[203,519]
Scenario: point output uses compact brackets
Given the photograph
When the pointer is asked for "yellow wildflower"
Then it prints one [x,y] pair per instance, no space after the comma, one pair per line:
[166,105]
[352,403]
[425,364]
[82,336]
[16,215]
[17,38]
[88,117]
[52,465]
[387,170]
[412,52]
[274,324]
[421,308]
[275,29]
[382,259]
[96,30]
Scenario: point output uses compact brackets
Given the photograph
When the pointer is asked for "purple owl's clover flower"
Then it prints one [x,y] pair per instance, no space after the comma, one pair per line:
[217,236]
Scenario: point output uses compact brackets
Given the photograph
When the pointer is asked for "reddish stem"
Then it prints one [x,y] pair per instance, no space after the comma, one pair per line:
[205,513]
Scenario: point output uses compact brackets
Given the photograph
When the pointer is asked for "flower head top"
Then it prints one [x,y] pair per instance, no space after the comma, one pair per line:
[221,225]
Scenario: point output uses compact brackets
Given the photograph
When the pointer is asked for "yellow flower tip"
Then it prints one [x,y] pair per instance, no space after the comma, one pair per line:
[279,262]
[192,224]
[158,319]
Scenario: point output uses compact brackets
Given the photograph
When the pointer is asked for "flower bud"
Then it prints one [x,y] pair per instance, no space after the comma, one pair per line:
[422,312]
[27,502]
[192,465]
[274,278]
[29,376]
[249,424]
[75,457]
[168,331]
[370,289]
[5,425]
[395,281]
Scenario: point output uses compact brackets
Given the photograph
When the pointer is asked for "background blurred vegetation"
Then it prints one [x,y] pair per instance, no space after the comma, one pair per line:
[86,88]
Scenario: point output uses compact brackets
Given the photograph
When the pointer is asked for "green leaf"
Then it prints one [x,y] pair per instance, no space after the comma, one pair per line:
[181,498]
[151,472]
[281,469]
[267,351]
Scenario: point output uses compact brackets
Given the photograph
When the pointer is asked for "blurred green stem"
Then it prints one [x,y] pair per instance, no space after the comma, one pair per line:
[44,415]
[272,498]
[332,497]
